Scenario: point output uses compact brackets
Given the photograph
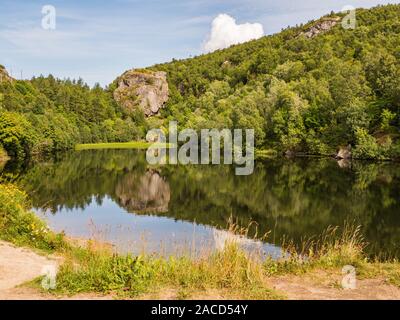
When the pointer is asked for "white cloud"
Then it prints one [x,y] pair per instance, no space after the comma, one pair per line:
[226,32]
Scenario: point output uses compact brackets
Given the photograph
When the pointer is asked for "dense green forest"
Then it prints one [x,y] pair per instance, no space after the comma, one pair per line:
[45,115]
[300,94]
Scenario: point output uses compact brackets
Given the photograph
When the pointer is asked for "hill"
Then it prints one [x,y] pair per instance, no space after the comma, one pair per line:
[299,92]
[312,89]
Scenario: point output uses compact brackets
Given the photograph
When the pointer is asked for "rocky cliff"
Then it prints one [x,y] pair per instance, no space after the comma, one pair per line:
[4,76]
[142,89]
[321,26]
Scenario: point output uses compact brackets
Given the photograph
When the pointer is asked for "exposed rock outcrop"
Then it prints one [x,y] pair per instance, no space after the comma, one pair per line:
[321,26]
[4,76]
[344,153]
[142,89]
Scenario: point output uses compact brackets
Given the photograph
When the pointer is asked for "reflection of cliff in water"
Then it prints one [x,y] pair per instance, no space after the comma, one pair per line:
[147,193]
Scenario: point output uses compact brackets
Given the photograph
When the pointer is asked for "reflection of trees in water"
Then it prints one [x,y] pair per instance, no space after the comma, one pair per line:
[73,181]
[296,198]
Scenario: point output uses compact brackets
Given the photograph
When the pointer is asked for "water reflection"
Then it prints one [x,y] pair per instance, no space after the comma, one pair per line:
[293,198]
[147,193]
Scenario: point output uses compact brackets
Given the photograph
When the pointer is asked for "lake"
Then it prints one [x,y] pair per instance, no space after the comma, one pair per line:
[115,196]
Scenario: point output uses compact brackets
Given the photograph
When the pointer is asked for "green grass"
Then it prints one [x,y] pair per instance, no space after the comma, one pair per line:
[333,249]
[265,153]
[21,226]
[230,271]
[120,145]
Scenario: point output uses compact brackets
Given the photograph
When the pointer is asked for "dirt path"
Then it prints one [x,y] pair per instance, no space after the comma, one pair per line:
[327,286]
[20,265]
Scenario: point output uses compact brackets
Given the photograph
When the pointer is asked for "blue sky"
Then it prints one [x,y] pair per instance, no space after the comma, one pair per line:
[98,40]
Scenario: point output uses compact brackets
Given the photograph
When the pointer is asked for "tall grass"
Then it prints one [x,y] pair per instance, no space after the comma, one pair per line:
[230,271]
[21,226]
[237,273]
[334,248]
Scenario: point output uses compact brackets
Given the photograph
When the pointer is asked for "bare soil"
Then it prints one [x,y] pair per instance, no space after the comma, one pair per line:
[20,265]
[325,285]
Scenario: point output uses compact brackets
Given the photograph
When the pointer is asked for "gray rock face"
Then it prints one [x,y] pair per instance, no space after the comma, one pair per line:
[146,90]
[321,27]
[4,76]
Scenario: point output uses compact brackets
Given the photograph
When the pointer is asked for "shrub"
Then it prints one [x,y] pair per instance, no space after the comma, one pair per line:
[16,134]
[386,119]
[367,146]
[3,153]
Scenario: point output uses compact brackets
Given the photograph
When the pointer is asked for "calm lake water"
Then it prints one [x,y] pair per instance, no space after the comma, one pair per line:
[116,196]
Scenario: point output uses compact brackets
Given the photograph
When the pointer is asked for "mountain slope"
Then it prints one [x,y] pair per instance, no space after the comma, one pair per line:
[300,93]
[311,89]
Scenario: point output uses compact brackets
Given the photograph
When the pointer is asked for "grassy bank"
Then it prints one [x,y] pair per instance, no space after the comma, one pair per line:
[231,272]
[21,226]
[120,145]
[265,154]
[238,275]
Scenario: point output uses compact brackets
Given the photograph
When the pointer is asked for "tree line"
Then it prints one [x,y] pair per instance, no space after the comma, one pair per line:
[299,94]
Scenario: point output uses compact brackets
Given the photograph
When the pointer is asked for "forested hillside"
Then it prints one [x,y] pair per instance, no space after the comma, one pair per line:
[46,115]
[299,93]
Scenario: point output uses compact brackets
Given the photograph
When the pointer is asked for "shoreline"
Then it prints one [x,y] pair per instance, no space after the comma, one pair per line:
[92,270]
[321,283]
[259,153]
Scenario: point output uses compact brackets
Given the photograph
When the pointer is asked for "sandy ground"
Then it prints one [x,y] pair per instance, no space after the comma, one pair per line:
[327,286]
[20,265]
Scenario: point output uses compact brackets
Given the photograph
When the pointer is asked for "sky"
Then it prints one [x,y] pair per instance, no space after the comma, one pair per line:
[97,40]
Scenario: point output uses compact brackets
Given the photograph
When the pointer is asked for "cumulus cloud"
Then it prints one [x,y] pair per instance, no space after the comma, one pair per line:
[226,32]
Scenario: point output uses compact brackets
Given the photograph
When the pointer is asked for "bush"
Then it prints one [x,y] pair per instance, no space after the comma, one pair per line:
[16,134]
[387,118]
[3,153]
[367,146]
